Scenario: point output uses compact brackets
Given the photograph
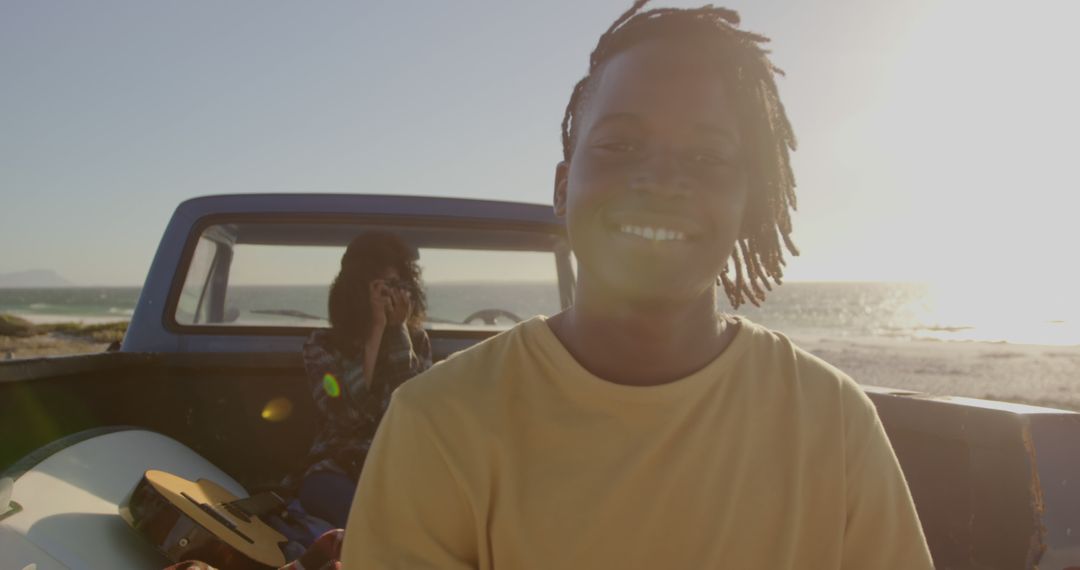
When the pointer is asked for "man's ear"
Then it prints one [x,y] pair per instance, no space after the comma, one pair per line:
[562,170]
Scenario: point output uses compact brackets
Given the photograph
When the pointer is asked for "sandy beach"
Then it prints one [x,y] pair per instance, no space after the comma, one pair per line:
[1038,375]
[30,336]
[50,344]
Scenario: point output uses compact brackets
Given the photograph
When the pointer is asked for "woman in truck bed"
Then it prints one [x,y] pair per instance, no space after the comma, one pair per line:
[375,342]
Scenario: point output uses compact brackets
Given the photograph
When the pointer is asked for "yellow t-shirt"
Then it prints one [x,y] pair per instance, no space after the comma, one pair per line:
[511,455]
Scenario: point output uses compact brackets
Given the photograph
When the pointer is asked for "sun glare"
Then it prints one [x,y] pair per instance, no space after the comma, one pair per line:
[999,311]
[973,147]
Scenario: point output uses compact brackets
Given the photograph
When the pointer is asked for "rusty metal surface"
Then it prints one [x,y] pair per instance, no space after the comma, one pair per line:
[997,485]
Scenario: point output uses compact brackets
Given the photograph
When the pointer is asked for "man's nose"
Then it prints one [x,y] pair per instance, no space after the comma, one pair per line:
[661,174]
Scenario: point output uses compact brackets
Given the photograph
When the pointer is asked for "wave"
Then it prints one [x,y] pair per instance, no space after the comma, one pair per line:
[945,328]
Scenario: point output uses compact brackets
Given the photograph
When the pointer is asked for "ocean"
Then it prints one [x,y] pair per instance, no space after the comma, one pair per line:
[824,310]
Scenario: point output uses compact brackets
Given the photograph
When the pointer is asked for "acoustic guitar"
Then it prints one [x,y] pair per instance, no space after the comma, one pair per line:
[201,520]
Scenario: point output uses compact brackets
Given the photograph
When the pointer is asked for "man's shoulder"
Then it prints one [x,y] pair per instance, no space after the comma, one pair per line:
[793,362]
[809,382]
[468,375]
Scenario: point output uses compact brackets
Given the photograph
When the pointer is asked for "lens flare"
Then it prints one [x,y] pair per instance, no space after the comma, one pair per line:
[278,409]
[330,384]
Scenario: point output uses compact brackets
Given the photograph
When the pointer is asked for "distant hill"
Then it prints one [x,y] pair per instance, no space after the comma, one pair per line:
[33,278]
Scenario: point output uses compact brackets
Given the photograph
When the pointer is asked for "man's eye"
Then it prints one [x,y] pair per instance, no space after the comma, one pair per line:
[710,157]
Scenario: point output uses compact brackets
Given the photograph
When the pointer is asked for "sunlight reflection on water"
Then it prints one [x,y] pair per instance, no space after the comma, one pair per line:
[921,311]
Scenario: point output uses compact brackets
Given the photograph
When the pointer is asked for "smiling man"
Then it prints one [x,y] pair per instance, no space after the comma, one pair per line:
[641,428]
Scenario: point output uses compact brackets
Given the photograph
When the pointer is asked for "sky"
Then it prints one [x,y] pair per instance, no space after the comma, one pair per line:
[938,139]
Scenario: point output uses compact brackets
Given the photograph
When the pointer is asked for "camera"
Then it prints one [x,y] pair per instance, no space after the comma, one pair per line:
[401,285]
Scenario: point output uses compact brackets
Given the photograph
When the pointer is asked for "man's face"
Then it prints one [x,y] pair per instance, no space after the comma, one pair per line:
[655,189]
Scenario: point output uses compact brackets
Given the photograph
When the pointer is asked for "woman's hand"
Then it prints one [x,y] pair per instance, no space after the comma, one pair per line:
[380,297]
[400,307]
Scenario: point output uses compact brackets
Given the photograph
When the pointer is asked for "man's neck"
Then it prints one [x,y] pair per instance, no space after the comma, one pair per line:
[643,344]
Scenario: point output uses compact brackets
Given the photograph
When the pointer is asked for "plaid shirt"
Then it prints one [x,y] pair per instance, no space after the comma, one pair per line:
[350,411]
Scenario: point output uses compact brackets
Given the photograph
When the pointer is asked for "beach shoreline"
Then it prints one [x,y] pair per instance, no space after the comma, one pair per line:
[53,319]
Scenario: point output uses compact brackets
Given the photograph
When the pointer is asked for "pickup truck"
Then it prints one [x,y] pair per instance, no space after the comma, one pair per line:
[209,383]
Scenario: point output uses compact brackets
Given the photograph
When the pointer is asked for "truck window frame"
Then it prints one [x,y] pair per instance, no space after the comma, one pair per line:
[562,254]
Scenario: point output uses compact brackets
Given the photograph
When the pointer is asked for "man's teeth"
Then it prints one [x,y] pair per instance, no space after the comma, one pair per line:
[654,234]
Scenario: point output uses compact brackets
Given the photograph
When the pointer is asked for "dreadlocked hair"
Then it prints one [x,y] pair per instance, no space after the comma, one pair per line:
[767,136]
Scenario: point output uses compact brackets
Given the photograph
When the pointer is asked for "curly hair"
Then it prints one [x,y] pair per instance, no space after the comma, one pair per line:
[766,131]
[366,258]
